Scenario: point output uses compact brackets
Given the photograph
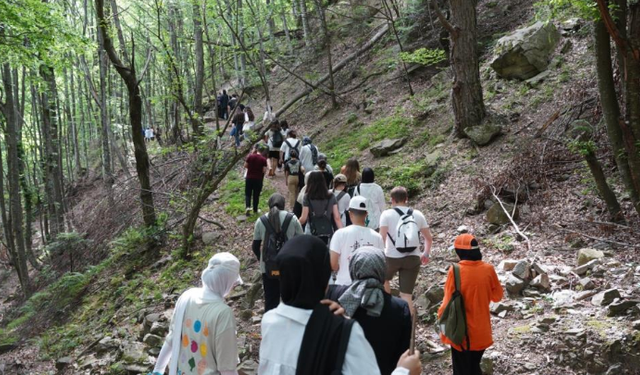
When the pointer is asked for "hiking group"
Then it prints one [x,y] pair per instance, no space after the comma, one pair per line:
[326,264]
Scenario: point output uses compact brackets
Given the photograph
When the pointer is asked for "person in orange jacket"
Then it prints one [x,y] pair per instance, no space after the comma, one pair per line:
[479,286]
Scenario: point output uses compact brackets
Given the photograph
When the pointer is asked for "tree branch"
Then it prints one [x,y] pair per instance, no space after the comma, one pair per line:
[443,20]
[621,42]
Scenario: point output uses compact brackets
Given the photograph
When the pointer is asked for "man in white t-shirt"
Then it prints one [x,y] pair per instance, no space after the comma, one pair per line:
[347,240]
[291,143]
[406,264]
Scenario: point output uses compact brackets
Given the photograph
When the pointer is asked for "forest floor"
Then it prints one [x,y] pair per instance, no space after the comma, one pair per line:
[556,331]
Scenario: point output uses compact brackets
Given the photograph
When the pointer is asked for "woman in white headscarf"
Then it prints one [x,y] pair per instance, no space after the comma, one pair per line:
[202,335]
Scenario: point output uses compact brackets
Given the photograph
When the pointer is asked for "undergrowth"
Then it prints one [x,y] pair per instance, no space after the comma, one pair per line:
[232,194]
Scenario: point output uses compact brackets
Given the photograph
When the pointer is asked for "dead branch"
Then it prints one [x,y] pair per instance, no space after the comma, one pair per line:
[506,212]
[217,224]
[597,238]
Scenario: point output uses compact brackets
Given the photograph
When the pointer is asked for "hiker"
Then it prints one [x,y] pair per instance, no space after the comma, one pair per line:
[302,336]
[285,128]
[352,170]
[233,101]
[238,122]
[375,198]
[309,155]
[400,228]
[224,105]
[293,172]
[346,241]
[256,166]
[320,209]
[291,143]
[343,198]
[202,333]
[269,116]
[249,121]
[479,286]
[274,138]
[297,208]
[277,226]
[385,320]
[322,156]
[328,176]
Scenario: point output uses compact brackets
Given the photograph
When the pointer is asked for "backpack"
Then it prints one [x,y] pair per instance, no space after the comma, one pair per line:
[277,139]
[294,167]
[293,148]
[272,244]
[453,322]
[407,232]
[342,194]
[321,225]
[314,154]
[351,189]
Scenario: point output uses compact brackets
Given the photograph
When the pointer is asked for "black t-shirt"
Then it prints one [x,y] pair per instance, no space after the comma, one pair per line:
[389,334]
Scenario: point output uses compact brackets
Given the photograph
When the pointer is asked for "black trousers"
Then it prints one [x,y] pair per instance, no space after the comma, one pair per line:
[467,362]
[252,189]
[271,292]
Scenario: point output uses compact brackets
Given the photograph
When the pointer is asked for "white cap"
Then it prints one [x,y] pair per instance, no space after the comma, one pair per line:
[358,203]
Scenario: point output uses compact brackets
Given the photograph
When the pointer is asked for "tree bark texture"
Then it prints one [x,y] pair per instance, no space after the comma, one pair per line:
[603,187]
[196,123]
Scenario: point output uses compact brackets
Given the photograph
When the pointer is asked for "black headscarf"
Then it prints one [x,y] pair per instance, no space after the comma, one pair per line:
[304,275]
[367,175]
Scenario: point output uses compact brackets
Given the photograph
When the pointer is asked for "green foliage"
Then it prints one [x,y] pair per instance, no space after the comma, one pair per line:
[584,148]
[424,56]
[564,9]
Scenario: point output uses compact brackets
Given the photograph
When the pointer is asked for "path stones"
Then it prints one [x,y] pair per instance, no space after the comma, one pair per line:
[508,264]
[586,283]
[435,294]
[514,285]
[619,308]
[63,362]
[522,270]
[152,341]
[581,270]
[210,238]
[541,282]
[386,146]
[605,298]
[586,255]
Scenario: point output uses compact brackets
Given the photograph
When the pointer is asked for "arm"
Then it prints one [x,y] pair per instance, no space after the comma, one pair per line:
[496,287]
[383,232]
[163,358]
[246,165]
[428,241]
[305,215]
[335,260]
[336,216]
[255,247]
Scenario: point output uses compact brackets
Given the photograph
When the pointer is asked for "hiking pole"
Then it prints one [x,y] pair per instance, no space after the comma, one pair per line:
[412,343]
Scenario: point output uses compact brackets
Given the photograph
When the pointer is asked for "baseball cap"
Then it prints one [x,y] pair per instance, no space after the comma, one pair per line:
[358,203]
[466,241]
[340,178]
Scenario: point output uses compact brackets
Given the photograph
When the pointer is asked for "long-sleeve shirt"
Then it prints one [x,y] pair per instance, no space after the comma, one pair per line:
[479,286]
[282,332]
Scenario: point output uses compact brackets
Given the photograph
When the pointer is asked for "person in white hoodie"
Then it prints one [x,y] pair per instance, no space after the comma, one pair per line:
[375,198]
[202,335]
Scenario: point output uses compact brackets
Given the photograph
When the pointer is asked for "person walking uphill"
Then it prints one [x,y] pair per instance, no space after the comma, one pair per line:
[479,285]
[375,198]
[275,139]
[269,235]
[320,214]
[256,166]
[346,241]
[400,228]
[202,334]
[302,336]
[385,320]
[293,172]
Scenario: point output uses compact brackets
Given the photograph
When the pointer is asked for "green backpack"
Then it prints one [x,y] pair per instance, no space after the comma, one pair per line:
[453,322]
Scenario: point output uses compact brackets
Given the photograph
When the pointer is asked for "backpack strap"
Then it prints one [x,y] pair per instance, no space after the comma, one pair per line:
[343,346]
[287,221]
[342,194]
[456,277]
[399,211]
[326,208]
[267,225]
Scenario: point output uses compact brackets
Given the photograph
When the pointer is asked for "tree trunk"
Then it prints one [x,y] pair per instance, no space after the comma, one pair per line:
[603,187]
[74,126]
[128,75]
[610,106]
[52,149]
[466,92]
[305,22]
[107,172]
[326,39]
[196,123]
[17,252]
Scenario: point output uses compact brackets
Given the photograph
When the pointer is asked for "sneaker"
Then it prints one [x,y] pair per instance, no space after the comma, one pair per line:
[258,212]
[247,211]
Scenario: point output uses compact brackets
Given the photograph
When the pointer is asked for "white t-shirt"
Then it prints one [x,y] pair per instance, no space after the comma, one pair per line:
[375,202]
[347,240]
[389,219]
[306,157]
[295,143]
[270,141]
[343,205]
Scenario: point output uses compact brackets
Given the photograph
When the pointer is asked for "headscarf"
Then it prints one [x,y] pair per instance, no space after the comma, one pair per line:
[304,271]
[367,176]
[221,274]
[367,268]
[276,204]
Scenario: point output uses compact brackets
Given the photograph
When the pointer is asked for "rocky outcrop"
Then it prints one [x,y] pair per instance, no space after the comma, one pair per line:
[526,52]
[387,146]
[497,216]
[483,134]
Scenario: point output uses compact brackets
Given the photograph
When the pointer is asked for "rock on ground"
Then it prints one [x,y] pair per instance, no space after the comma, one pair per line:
[386,146]
[483,134]
[497,216]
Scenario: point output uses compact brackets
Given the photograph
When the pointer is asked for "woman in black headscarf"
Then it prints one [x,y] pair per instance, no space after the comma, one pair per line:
[302,336]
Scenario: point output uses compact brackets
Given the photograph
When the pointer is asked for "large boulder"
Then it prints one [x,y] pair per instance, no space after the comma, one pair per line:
[606,297]
[526,52]
[586,255]
[483,134]
[515,285]
[386,146]
[497,216]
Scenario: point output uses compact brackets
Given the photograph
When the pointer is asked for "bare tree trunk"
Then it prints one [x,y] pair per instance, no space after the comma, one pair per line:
[305,22]
[196,123]
[107,172]
[74,125]
[466,93]
[603,187]
[326,39]
[128,75]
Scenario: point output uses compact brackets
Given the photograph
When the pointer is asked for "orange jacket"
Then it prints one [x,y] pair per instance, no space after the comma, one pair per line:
[479,286]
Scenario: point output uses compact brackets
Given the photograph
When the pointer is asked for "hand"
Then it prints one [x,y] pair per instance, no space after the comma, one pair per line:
[411,362]
[334,306]
[425,258]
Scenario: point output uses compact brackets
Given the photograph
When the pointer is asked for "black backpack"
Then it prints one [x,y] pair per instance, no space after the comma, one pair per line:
[293,148]
[321,225]
[351,189]
[314,153]
[277,139]
[272,244]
